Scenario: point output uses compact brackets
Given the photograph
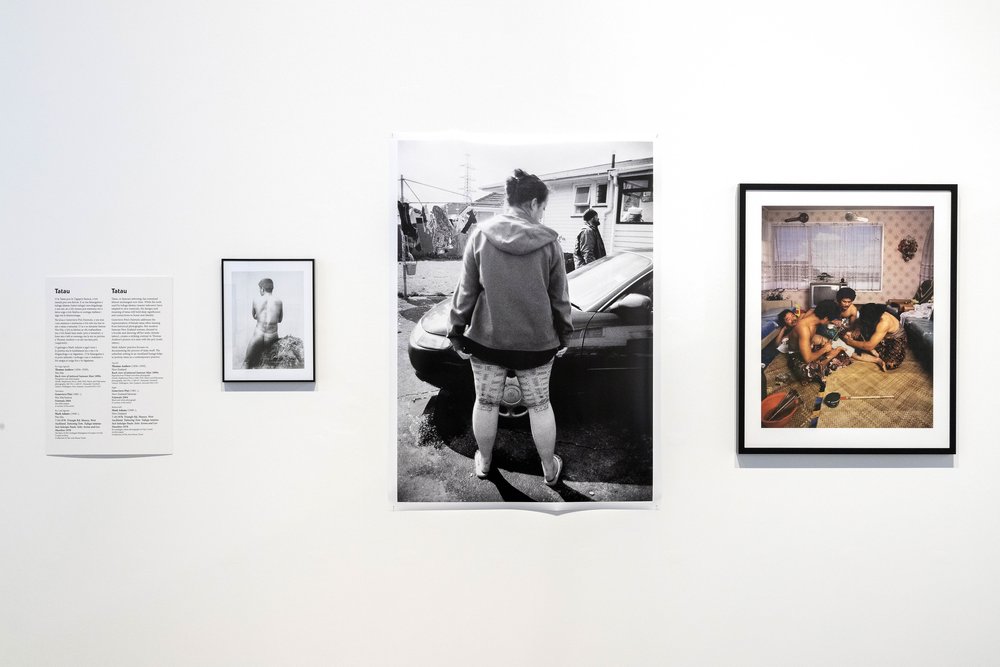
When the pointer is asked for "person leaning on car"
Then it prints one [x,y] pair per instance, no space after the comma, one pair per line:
[589,244]
[511,311]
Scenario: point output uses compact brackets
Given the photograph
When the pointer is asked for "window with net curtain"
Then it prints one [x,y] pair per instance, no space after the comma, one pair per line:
[802,252]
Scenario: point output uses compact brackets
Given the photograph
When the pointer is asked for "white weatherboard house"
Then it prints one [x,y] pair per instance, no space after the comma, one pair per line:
[621,194]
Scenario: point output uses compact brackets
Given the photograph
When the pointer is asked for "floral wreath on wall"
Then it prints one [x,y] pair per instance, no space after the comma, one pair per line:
[907,248]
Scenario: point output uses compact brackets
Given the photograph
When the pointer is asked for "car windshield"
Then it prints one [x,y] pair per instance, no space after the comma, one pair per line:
[590,285]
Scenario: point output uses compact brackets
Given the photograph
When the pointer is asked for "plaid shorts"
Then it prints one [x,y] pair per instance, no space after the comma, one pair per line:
[490,381]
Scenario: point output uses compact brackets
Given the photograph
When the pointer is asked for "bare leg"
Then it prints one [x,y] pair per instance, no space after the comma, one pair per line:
[255,348]
[484,427]
[543,432]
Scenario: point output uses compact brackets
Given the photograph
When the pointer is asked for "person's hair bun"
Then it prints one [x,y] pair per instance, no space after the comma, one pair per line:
[522,187]
[512,184]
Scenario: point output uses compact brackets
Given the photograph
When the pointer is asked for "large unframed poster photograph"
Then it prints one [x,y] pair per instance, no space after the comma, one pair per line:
[268,325]
[847,303]
[525,322]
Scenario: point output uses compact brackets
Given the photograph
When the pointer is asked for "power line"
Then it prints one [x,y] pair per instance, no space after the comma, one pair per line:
[424,202]
[414,193]
[428,185]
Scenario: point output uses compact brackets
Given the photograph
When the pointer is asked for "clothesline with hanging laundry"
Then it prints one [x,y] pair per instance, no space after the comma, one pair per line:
[436,220]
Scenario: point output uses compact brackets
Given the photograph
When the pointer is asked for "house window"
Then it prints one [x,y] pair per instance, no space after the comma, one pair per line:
[601,199]
[635,199]
[850,252]
[582,200]
[589,196]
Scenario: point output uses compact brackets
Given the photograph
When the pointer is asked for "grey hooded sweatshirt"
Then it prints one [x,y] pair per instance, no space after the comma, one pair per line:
[513,293]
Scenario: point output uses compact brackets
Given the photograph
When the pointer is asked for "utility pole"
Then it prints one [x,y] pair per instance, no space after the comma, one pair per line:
[467,180]
[402,240]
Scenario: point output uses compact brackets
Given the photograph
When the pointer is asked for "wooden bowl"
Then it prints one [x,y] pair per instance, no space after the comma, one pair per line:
[769,404]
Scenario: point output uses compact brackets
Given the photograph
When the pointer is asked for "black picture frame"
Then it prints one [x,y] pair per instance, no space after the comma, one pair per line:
[297,289]
[762,210]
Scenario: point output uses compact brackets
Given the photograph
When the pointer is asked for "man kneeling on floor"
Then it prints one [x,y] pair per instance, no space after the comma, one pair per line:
[811,355]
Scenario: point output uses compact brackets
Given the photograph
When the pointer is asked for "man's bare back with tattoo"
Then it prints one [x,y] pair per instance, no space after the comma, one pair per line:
[268,311]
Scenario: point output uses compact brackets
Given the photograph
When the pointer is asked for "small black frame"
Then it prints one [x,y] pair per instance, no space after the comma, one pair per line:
[296,286]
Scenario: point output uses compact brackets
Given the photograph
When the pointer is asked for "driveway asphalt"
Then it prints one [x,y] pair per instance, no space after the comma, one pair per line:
[606,458]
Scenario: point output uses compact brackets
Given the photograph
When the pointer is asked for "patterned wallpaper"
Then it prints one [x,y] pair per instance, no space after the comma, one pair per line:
[899,279]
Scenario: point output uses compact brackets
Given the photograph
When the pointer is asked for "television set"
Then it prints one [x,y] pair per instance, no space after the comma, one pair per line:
[822,292]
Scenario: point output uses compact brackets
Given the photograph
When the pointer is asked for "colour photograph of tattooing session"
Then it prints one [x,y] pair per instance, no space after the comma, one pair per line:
[849,305]
[842,307]
[525,322]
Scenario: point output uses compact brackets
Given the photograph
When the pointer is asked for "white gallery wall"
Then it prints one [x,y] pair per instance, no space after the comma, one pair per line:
[157,138]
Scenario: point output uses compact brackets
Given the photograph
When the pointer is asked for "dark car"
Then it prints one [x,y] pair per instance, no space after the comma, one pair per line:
[610,352]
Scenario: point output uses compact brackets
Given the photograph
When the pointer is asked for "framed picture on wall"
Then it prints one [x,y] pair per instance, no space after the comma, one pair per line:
[847,302]
[268,323]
